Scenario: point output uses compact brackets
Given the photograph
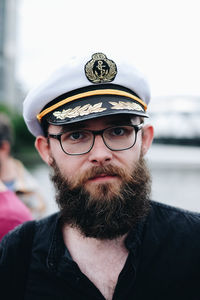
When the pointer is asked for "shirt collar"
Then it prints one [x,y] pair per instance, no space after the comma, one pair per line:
[58,250]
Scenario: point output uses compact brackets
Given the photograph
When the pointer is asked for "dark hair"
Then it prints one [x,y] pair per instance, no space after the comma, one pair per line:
[45,126]
[6,130]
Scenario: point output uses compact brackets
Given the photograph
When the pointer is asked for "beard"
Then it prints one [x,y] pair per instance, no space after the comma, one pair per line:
[104,210]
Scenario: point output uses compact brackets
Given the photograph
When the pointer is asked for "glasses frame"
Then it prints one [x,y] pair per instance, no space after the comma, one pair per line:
[95,133]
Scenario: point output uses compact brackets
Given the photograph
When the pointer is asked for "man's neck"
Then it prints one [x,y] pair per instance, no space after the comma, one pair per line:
[100,260]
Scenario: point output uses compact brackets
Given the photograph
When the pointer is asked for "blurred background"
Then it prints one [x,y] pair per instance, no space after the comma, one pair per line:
[160,37]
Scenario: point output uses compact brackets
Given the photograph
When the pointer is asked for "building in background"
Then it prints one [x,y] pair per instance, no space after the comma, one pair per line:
[9,89]
[176,120]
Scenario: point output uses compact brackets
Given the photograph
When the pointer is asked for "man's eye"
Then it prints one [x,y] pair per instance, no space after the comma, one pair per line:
[72,136]
[118,131]
[76,135]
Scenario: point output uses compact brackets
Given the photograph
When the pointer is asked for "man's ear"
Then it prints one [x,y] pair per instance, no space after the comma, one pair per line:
[43,148]
[147,138]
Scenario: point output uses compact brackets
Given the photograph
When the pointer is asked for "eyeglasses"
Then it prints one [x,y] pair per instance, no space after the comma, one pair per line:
[117,138]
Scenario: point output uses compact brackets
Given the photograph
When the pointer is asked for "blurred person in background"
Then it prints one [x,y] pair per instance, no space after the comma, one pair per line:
[12,211]
[13,173]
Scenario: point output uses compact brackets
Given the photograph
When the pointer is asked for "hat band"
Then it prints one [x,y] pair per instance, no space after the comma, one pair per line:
[87,94]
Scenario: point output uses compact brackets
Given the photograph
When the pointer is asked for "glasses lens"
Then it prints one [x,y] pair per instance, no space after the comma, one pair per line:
[119,137]
[77,142]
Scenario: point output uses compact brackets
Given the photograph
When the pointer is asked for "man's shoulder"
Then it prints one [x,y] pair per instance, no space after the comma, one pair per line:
[173,219]
[46,227]
[17,237]
[50,220]
[174,212]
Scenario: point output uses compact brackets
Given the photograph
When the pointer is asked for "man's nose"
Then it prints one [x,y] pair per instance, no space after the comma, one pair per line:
[100,154]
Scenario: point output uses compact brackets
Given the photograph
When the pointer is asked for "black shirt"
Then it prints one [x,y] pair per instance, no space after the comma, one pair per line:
[163,261]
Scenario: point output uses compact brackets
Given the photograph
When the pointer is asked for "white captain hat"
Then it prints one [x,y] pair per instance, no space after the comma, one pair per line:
[87,87]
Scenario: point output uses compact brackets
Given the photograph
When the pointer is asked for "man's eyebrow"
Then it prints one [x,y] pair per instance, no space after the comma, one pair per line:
[83,125]
[117,122]
[71,127]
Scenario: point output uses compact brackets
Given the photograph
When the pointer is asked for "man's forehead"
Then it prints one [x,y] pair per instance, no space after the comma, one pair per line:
[106,120]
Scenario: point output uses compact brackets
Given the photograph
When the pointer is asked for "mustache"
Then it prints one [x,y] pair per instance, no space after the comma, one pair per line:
[95,171]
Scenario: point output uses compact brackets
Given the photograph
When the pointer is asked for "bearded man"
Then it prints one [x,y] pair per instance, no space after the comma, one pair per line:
[109,240]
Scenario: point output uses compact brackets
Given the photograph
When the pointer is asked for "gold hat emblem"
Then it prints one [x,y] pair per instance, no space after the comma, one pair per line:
[100,69]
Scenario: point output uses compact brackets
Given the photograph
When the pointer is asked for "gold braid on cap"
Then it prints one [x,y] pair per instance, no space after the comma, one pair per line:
[87,94]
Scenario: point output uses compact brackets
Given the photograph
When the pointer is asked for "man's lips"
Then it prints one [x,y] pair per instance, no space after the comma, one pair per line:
[102,177]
